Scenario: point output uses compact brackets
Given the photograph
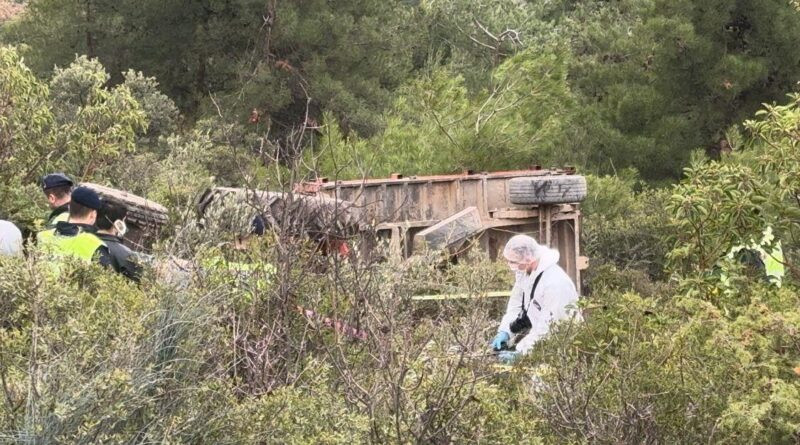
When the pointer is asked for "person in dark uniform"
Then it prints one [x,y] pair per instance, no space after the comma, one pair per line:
[111,228]
[57,189]
[77,236]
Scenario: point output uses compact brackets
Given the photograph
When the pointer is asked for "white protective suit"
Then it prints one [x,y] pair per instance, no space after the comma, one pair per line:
[555,294]
[10,239]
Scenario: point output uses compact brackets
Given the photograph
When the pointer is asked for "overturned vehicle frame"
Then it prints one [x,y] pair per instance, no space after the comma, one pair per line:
[455,212]
[450,212]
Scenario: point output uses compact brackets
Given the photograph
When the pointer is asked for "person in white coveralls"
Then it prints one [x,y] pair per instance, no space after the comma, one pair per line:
[10,239]
[543,294]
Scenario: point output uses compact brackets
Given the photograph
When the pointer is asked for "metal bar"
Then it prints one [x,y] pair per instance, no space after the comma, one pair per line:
[442,178]
[485,195]
[548,234]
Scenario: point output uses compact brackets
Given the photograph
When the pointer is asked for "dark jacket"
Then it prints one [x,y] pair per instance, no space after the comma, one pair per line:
[123,259]
[51,222]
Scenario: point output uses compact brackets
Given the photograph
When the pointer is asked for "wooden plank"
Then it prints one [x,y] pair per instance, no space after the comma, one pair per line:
[515,213]
[498,222]
[451,230]
[406,224]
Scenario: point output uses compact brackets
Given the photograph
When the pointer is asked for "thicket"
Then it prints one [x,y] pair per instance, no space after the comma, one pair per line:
[671,351]
[441,85]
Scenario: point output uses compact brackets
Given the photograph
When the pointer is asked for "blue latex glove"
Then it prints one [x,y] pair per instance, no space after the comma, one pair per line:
[500,341]
[508,357]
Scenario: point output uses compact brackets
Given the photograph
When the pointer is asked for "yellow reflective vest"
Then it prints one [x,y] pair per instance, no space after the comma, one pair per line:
[84,245]
[771,253]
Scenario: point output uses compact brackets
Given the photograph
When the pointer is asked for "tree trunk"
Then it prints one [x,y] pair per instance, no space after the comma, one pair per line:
[90,44]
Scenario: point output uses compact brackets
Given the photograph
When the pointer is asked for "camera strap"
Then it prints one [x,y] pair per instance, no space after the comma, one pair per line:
[533,290]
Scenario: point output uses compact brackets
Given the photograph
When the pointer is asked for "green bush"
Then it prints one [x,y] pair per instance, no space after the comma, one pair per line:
[437,125]
[677,370]
[625,224]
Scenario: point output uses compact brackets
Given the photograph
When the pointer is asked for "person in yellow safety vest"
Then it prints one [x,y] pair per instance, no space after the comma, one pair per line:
[57,189]
[770,256]
[76,237]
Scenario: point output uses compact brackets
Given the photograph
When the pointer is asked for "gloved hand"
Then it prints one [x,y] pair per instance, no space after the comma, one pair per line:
[500,341]
[508,357]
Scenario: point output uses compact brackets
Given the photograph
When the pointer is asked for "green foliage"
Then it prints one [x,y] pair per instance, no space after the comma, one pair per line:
[436,125]
[648,81]
[312,415]
[667,77]
[681,372]
[76,325]
[272,57]
[76,125]
[624,227]
[96,124]
[81,126]
[162,114]
[775,155]
[474,37]
[25,132]
[713,210]
[728,203]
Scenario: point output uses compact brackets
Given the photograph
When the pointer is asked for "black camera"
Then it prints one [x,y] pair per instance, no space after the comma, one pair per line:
[521,323]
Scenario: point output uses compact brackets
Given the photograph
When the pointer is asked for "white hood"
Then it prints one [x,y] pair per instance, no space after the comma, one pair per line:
[547,258]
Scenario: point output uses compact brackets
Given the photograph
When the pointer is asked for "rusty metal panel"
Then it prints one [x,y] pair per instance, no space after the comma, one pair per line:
[433,197]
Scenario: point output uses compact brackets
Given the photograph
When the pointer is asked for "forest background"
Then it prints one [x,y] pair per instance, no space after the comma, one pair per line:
[681,113]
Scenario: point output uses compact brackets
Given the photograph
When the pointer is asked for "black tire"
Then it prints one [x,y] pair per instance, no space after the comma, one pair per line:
[142,212]
[547,189]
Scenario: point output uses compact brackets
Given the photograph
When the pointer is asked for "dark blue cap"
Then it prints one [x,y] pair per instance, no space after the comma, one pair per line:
[87,198]
[257,226]
[56,180]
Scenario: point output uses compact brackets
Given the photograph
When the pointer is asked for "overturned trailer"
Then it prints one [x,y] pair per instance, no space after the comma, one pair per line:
[317,216]
[459,211]
[450,212]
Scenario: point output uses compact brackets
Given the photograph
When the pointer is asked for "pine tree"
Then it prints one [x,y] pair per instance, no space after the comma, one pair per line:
[661,78]
[272,57]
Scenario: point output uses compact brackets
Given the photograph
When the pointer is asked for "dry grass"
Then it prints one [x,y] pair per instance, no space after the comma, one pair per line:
[10,9]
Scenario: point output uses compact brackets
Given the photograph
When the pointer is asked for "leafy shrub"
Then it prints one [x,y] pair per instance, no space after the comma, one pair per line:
[625,227]
[678,370]
[162,114]
[96,124]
